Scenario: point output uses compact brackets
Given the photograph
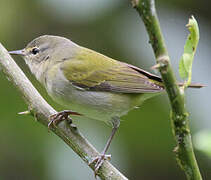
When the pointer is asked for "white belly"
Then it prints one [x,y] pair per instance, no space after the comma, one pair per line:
[92,104]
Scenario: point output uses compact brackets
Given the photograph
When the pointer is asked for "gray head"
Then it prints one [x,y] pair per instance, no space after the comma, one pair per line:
[46,48]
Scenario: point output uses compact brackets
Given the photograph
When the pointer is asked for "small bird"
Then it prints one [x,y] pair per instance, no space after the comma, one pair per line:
[90,84]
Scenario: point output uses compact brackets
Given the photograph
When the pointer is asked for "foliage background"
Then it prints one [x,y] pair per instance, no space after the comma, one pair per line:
[142,148]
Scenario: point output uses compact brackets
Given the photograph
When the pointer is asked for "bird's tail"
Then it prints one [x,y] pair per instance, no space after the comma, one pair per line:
[193,85]
[158,81]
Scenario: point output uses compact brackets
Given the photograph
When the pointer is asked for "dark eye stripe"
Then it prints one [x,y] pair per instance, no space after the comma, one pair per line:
[43,48]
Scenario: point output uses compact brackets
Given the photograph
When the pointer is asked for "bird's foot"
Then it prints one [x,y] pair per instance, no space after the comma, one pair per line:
[61,116]
[99,161]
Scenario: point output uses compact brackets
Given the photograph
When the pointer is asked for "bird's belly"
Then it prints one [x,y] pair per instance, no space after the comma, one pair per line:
[92,104]
[95,105]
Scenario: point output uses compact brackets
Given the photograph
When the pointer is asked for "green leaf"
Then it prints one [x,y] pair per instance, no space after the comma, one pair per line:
[186,61]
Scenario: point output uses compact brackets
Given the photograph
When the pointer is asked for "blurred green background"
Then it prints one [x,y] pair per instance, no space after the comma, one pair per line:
[142,148]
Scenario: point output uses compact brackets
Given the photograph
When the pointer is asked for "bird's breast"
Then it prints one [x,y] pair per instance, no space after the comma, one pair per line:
[92,104]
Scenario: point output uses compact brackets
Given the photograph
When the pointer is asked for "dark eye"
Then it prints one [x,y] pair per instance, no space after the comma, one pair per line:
[35,50]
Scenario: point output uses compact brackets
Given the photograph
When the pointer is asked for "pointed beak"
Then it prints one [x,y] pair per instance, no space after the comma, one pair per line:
[17,52]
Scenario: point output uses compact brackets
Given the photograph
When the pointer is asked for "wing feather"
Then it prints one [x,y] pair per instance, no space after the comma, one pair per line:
[96,72]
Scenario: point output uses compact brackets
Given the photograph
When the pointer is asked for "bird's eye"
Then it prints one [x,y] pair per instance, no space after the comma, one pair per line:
[35,50]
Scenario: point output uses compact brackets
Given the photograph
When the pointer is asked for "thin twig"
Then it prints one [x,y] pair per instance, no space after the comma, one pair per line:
[42,110]
[179,116]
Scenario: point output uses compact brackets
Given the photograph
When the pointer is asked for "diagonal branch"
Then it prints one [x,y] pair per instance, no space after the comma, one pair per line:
[179,116]
[42,110]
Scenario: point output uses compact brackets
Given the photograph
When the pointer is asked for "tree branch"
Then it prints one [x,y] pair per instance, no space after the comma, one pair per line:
[42,110]
[179,116]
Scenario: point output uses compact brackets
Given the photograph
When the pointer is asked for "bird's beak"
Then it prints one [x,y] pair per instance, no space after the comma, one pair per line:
[17,52]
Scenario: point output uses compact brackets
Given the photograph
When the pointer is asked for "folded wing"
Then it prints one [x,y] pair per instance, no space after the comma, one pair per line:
[96,72]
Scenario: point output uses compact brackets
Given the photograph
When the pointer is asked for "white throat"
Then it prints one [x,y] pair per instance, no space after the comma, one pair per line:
[37,69]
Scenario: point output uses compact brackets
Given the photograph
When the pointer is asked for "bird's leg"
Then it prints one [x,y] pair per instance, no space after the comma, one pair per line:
[102,157]
[61,116]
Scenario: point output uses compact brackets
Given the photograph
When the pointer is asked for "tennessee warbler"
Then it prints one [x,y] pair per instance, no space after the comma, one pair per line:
[94,85]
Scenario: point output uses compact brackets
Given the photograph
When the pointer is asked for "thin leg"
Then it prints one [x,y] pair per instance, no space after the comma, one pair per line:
[100,159]
[114,129]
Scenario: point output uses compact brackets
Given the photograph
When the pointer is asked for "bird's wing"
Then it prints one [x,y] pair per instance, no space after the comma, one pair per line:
[96,72]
